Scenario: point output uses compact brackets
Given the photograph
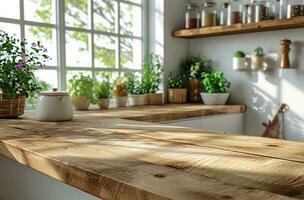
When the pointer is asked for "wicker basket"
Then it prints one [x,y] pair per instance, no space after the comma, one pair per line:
[177,95]
[11,108]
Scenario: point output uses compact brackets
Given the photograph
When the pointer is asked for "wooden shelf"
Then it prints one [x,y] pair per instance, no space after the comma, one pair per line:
[268,25]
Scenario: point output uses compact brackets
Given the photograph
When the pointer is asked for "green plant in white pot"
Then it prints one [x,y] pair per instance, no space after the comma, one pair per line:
[136,90]
[80,88]
[215,86]
[120,92]
[239,60]
[257,60]
[103,94]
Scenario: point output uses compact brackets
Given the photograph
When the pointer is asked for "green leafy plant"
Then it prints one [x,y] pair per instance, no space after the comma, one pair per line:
[134,84]
[259,51]
[151,73]
[103,90]
[18,62]
[239,54]
[194,66]
[176,81]
[215,82]
[81,86]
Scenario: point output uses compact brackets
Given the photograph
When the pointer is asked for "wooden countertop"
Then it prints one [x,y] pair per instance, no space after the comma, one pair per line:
[114,158]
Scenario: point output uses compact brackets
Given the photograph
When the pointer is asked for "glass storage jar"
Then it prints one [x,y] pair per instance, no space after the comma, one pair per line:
[192,17]
[274,9]
[261,11]
[234,12]
[224,14]
[251,11]
[295,8]
[209,14]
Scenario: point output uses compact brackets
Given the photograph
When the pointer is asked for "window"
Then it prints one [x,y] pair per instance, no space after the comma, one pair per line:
[88,36]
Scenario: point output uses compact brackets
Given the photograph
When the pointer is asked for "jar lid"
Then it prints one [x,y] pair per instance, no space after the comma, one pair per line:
[54,92]
[209,4]
[191,6]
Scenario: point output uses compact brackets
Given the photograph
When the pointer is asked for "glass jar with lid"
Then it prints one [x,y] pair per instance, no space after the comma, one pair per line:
[208,14]
[261,11]
[192,17]
[235,12]
[251,11]
[295,8]
[224,14]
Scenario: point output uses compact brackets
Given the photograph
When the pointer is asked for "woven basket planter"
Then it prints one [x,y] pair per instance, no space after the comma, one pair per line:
[11,108]
[177,95]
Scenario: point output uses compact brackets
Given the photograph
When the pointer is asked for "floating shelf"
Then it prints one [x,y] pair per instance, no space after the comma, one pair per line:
[268,25]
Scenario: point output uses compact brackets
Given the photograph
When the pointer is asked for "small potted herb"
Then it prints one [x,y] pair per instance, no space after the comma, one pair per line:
[135,90]
[257,60]
[239,60]
[151,78]
[215,86]
[177,93]
[193,67]
[80,88]
[103,94]
[120,92]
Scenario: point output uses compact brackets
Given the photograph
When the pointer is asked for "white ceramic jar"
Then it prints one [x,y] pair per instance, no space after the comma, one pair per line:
[54,106]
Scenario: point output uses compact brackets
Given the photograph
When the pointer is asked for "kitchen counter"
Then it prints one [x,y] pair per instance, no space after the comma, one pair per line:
[112,157]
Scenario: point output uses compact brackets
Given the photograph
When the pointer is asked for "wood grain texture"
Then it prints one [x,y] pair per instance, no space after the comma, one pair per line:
[270,25]
[162,113]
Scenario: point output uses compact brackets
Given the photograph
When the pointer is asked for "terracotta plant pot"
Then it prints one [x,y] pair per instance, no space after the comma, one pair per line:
[194,91]
[104,103]
[215,98]
[137,100]
[155,99]
[177,95]
[257,62]
[81,103]
[11,108]
[121,101]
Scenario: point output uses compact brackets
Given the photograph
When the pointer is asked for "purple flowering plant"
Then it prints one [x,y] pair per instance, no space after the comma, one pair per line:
[18,62]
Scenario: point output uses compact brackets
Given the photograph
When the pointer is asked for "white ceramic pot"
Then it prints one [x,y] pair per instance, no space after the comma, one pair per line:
[81,103]
[54,106]
[137,100]
[215,98]
[104,103]
[121,101]
[239,63]
[257,62]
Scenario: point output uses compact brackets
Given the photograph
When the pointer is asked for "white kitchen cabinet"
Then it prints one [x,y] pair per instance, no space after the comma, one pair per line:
[224,123]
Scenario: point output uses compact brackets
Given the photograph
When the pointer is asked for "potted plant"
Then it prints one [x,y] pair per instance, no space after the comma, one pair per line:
[239,60]
[18,62]
[215,85]
[120,92]
[80,88]
[193,67]
[135,90]
[257,59]
[177,93]
[151,78]
[103,94]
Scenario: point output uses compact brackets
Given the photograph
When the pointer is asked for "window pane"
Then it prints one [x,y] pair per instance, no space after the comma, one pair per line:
[71,73]
[104,15]
[47,37]
[48,76]
[77,49]
[10,9]
[77,13]
[40,11]
[131,53]
[130,19]
[105,51]
[100,76]
[11,29]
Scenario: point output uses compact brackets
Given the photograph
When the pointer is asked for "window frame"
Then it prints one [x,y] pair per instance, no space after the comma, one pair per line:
[61,30]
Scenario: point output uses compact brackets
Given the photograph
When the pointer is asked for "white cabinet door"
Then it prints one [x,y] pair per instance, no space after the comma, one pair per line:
[225,123]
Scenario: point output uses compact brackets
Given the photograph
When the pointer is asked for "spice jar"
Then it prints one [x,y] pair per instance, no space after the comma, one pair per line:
[234,12]
[209,14]
[192,17]
[261,11]
[224,14]
[295,8]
